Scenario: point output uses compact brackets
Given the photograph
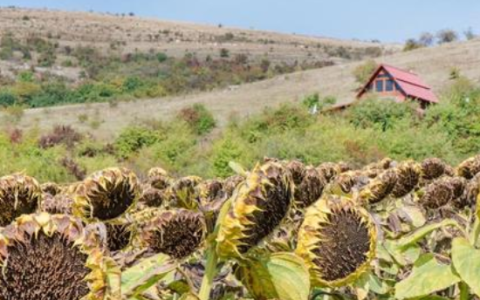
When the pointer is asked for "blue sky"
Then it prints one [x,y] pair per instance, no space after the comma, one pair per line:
[392,21]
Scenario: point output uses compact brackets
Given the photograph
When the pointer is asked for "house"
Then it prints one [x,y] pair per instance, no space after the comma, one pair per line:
[391,82]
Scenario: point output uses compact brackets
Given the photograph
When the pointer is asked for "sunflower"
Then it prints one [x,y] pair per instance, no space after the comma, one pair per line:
[19,194]
[119,234]
[408,176]
[51,188]
[469,167]
[337,240]
[183,192]
[158,178]
[432,168]
[310,188]
[152,197]
[437,194]
[297,169]
[106,195]
[177,233]
[51,257]
[329,170]
[379,188]
[259,205]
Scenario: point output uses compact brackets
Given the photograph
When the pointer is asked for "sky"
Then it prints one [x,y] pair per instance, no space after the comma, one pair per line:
[387,21]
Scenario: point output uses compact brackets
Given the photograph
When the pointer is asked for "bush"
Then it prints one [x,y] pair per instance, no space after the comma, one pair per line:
[412,44]
[133,139]
[161,57]
[447,36]
[364,71]
[198,118]
[380,113]
[7,98]
[64,135]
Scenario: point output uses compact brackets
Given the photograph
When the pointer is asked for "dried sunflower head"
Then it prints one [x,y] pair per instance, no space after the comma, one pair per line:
[459,185]
[437,194]
[379,188]
[408,176]
[310,188]
[177,233]
[19,194]
[183,192]
[344,183]
[297,169]
[106,195]
[119,234]
[469,167]
[51,257]
[158,178]
[337,240]
[329,170]
[259,205]
[152,197]
[59,204]
[51,188]
[231,183]
[432,168]
[472,191]
[209,190]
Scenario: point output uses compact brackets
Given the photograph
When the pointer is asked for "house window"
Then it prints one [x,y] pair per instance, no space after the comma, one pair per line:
[379,86]
[389,85]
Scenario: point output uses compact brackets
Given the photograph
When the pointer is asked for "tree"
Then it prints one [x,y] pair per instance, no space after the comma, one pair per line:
[447,36]
[363,72]
[411,44]
[469,34]
[426,39]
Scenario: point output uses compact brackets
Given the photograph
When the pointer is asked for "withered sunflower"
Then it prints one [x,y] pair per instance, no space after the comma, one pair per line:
[379,188]
[408,176]
[310,188]
[209,190]
[337,240]
[183,192]
[152,197]
[106,195]
[297,169]
[432,168]
[259,205]
[119,234]
[437,194]
[469,167]
[231,183]
[177,233]
[50,188]
[329,170]
[19,194]
[51,257]
[158,178]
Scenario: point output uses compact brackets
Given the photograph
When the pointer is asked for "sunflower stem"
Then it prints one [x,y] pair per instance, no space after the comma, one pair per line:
[212,257]
[464,291]
[210,273]
[475,232]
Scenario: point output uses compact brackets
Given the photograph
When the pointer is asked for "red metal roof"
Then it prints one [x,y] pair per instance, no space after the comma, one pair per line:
[409,82]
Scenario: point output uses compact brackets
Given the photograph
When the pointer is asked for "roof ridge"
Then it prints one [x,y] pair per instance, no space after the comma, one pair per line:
[396,68]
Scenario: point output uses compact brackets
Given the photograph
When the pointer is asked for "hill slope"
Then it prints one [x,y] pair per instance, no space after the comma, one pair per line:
[432,64]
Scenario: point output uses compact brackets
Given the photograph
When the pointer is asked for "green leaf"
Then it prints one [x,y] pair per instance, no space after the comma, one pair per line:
[403,256]
[415,215]
[422,232]
[282,276]
[427,277]
[145,274]
[466,261]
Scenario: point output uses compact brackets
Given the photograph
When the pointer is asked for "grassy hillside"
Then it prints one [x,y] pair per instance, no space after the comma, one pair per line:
[433,64]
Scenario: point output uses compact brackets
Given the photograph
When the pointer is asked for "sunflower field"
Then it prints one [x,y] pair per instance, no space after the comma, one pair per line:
[283,230]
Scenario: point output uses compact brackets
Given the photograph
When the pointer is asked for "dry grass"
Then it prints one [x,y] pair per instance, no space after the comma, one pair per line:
[433,65]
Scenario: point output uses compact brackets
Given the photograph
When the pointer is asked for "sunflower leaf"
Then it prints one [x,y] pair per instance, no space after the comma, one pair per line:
[282,276]
[422,232]
[466,261]
[427,277]
[145,274]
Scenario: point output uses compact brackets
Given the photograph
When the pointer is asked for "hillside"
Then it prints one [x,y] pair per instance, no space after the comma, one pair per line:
[432,64]
[128,34]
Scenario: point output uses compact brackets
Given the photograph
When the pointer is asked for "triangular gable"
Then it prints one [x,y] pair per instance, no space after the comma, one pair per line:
[374,76]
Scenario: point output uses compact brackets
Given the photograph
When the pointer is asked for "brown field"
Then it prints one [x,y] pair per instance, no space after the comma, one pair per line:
[433,64]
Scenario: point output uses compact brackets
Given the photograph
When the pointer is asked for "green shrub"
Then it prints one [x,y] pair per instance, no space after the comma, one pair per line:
[161,57]
[133,139]
[7,98]
[364,71]
[199,118]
